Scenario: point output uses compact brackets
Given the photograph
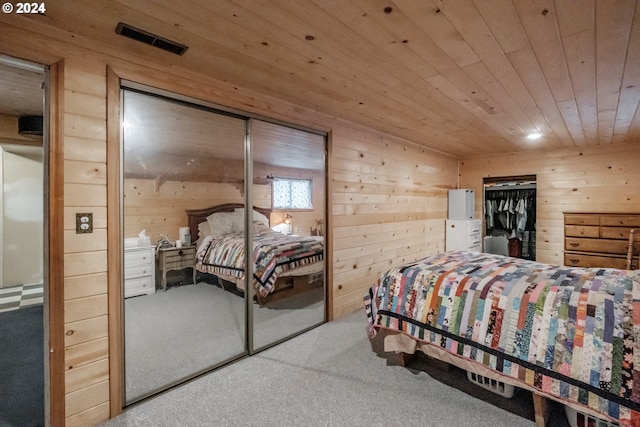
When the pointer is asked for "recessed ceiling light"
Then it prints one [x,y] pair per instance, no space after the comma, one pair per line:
[534,135]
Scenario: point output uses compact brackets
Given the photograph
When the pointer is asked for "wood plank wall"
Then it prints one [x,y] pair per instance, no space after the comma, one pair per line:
[387,198]
[85,259]
[602,178]
[389,203]
[161,209]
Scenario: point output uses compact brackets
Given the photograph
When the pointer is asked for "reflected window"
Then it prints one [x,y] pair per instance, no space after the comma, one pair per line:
[292,193]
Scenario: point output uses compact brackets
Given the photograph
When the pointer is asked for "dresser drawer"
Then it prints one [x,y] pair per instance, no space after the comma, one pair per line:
[179,264]
[584,260]
[582,219]
[581,231]
[621,220]
[138,269]
[138,256]
[616,232]
[180,255]
[139,286]
[475,228]
[474,240]
[595,245]
[180,252]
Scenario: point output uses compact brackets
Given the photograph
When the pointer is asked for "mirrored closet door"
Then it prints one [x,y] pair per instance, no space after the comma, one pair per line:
[178,158]
[289,177]
[205,279]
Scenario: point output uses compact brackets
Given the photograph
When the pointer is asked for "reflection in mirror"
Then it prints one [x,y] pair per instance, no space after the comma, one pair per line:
[177,157]
[289,176]
[23,274]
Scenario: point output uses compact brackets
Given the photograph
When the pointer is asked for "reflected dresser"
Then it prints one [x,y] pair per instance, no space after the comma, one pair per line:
[139,271]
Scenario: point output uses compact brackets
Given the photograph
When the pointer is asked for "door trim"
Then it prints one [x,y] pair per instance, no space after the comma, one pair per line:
[54,258]
[114,237]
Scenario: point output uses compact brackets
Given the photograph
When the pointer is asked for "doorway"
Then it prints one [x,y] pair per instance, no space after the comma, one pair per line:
[509,206]
[22,266]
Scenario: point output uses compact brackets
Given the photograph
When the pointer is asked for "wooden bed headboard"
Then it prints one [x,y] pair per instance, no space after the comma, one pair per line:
[196,216]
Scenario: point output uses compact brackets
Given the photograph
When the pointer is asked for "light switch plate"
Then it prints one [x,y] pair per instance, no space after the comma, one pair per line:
[84,223]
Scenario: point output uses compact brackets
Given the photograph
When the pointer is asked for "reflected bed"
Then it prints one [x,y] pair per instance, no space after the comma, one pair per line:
[283,264]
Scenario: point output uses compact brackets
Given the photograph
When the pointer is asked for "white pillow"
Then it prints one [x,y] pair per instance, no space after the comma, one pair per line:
[221,223]
[259,227]
[203,229]
[238,221]
[257,216]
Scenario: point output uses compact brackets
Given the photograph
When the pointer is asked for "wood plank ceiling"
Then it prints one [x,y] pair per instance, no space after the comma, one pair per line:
[463,77]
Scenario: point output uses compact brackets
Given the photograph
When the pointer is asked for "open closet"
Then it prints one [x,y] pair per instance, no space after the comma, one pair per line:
[509,206]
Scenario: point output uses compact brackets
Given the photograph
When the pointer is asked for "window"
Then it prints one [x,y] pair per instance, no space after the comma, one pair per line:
[292,193]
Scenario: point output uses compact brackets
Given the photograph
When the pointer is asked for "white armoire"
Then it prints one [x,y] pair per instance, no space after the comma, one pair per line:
[463,232]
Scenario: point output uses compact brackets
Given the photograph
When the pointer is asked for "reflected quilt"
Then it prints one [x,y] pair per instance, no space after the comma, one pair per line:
[571,333]
[272,252]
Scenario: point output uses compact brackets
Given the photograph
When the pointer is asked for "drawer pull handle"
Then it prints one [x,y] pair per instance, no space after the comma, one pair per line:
[574,261]
[180,253]
[574,244]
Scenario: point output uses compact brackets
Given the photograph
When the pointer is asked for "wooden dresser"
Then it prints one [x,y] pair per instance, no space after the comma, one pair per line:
[599,239]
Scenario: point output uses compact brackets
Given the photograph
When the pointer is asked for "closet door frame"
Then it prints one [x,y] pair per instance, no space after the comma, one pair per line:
[510,183]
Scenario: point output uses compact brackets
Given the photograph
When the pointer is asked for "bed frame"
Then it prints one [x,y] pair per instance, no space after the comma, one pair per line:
[286,285]
[398,344]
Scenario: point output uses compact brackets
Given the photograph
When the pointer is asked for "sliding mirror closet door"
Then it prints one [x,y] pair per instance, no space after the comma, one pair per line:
[289,178]
[183,178]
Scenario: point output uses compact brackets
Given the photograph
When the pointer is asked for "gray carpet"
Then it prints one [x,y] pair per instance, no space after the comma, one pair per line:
[173,335]
[332,375]
[22,368]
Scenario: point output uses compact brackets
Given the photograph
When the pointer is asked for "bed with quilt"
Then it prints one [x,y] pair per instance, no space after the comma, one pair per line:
[565,333]
[282,264]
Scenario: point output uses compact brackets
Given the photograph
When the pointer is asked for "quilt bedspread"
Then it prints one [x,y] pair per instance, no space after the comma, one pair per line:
[572,333]
[273,253]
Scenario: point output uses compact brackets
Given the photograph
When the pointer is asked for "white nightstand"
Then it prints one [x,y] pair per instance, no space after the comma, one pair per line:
[139,271]
[175,259]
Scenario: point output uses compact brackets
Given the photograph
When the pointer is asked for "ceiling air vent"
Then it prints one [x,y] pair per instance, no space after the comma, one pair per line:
[150,39]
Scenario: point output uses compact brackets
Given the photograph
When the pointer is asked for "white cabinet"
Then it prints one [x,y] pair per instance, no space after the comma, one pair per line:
[139,271]
[461,204]
[463,235]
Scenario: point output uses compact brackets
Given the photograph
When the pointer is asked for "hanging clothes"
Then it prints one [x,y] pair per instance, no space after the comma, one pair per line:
[511,213]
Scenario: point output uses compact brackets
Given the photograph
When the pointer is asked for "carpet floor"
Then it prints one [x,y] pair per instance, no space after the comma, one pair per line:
[332,375]
[22,368]
[173,335]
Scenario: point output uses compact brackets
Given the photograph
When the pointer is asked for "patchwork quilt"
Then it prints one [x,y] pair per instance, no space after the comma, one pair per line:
[571,333]
[272,252]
